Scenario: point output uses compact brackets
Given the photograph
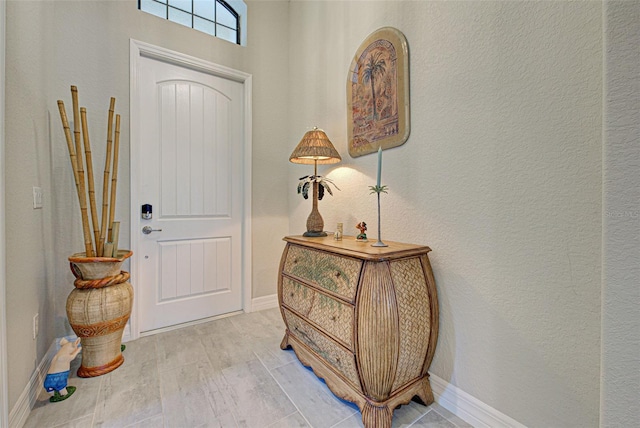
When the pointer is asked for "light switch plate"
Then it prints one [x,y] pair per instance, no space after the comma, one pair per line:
[37,198]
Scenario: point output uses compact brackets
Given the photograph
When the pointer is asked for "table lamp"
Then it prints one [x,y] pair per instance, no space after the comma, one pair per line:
[315,148]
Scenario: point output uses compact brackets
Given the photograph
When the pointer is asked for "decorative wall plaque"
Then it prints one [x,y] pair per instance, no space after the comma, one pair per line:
[378,93]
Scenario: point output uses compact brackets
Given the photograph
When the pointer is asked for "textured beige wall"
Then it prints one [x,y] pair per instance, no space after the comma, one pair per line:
[52,45]
[501,176]
[620,375]
[27,165]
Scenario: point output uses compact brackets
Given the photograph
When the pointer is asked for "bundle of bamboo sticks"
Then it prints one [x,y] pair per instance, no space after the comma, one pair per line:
[106,244]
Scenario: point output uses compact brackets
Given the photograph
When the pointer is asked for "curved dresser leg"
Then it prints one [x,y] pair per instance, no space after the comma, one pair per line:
[376,417]
[424,392]
[285,341]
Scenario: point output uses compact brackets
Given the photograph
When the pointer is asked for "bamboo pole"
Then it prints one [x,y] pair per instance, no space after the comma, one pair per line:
[90,179]
[114,179]
[105,181]
[70,147]
[116,236]
[69,138]
[82,193]
[108,249]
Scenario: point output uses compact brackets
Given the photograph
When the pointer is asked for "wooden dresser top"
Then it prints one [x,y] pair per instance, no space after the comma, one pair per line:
[348,246]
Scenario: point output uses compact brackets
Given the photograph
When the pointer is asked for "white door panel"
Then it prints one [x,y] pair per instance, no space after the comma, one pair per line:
[191,173]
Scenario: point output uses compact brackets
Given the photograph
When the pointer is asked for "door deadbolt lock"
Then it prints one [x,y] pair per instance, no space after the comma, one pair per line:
[146,211]
[148,229]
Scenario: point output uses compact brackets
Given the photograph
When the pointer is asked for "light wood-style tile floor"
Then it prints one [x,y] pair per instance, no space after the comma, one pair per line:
[225,373]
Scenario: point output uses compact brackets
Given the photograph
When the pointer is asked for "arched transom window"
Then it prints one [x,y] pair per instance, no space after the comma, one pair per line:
[215,17]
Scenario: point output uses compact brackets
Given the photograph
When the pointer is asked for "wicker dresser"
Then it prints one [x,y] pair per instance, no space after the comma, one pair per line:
[364,318]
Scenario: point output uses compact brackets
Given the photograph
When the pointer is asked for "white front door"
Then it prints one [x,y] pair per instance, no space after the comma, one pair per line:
[191,173]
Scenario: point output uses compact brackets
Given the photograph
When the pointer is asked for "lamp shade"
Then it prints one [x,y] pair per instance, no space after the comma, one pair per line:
[314,147]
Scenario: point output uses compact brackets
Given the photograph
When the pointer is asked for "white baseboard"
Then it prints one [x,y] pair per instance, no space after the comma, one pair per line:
[20,411]
[264,302]
[469,408]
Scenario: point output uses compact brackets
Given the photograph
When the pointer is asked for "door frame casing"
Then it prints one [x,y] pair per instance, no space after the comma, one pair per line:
[138,50]
[4,389]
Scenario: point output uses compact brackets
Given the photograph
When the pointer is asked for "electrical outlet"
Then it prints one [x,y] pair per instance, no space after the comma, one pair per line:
[37,198]
[35,326]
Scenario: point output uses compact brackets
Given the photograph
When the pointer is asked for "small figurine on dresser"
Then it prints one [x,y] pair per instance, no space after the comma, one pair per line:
[58,374]
[362,227]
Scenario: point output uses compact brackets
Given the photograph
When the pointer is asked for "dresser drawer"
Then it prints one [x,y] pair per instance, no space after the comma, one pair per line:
[329,271]
[340,359]
[331,315]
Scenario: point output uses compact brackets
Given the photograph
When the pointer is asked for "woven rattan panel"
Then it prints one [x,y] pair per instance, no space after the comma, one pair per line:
[341,360]
[334,273]
[412,299]
[333,316]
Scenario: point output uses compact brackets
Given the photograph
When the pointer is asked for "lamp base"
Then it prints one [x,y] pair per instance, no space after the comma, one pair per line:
[314,234]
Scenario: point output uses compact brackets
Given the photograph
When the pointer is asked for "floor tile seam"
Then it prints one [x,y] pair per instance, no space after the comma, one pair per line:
[214,369]
[283,391]
[228,385]
[158,378]
[165,366]
[235,326]
[66,423]
[285,417]
[412,423]
[160,395]
[181,366]
[296,361]
[280,365]
[208,397]
[453,422]
[233,408]
[95,407]
[145,419]
[453,418]
[343,420]
[422,416]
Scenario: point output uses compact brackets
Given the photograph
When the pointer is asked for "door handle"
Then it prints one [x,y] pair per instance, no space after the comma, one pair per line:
[148,229]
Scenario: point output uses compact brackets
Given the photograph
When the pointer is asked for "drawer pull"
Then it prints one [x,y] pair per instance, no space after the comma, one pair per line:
[333,318]
[338,274]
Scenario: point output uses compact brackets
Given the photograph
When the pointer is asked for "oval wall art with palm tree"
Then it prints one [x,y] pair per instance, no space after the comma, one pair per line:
[378,93]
